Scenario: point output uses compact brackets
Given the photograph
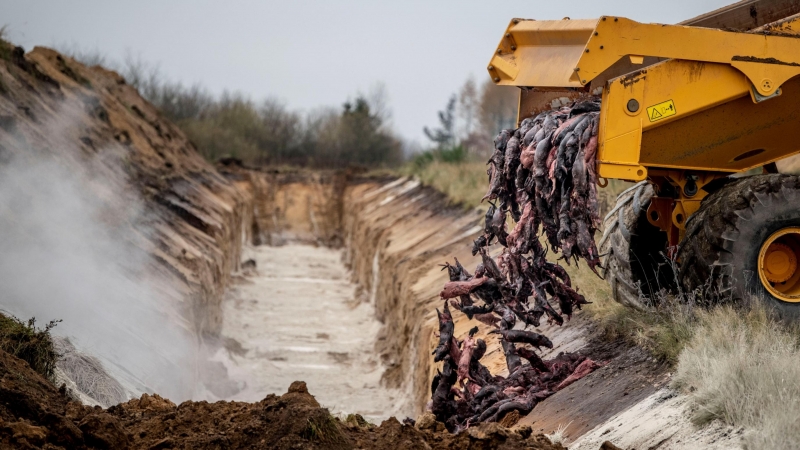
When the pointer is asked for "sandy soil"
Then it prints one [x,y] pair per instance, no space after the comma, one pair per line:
[297,317]
[659,421]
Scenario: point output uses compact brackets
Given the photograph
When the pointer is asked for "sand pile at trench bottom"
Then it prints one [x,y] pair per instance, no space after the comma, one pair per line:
[543,175]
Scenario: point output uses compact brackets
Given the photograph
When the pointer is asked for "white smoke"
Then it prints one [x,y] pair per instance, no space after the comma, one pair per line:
[67,251]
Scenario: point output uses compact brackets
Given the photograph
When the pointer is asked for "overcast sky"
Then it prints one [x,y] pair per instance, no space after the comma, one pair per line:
[309,54]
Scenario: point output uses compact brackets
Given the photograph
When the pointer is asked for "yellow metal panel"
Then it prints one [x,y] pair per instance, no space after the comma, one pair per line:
[615,38]
[734,136]
[570,53]
[549,66]
[552,32]
[620,172]
[715,127]
[622,149]
[636,59]
[688,87]
[540,53]
[767,78]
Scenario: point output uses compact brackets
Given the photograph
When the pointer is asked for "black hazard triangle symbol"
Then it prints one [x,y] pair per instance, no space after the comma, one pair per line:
[656,115]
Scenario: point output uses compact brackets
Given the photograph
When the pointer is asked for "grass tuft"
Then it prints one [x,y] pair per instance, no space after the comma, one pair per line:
[357,421]
[88,374]
[741,367]
[558,436]
[29,343]
[5,47]
[663,329]
[322,427]
[465,182]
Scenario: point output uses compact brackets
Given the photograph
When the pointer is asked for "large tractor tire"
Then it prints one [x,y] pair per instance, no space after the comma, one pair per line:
[744,244]
[634,263]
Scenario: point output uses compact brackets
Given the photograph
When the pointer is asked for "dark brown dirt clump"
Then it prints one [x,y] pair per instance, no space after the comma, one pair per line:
[34,414]
[294,420]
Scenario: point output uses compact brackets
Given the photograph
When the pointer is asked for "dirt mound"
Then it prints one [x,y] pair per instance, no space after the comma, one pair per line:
[294,420]
[34,414]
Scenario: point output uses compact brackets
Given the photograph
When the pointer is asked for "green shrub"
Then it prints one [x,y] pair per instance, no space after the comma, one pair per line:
[5,47]
[451,155]
[29,343]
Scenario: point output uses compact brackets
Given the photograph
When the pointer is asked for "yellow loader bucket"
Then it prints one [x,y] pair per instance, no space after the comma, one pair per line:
[541,53]
[572,53]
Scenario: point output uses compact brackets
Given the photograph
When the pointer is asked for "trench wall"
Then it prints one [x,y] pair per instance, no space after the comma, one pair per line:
[153,188]
[395,234]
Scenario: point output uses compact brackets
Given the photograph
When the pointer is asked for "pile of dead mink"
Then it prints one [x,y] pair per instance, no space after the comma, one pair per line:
[543,175]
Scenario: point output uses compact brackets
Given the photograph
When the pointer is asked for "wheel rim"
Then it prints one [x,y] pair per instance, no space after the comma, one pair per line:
[778,264]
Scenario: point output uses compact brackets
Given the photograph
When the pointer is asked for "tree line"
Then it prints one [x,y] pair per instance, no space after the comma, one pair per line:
[267,132]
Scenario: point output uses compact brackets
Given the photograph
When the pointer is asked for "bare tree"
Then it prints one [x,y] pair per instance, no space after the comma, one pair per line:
[468,107]
[498,111]
[232,124]
[90,58]
[145,77]
[445,135]
[378,99]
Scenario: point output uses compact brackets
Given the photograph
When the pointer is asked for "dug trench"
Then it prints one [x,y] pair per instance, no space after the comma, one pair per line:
[349,262]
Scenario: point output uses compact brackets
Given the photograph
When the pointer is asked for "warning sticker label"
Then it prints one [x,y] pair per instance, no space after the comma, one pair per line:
[661,110]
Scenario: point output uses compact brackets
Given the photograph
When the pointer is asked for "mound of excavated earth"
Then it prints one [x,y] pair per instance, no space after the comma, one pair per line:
[33,414]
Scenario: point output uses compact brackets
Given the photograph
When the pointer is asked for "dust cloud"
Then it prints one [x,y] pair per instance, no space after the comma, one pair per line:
[64,255]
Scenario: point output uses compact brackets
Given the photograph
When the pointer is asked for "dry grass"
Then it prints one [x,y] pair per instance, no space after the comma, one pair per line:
[356,421]
[743,368]
[323,428]
[558,436]
[739,365]
[663,330]
[464,182]
[88,374]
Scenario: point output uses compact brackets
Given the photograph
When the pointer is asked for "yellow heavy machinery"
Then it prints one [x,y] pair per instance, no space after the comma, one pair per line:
[686,111]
